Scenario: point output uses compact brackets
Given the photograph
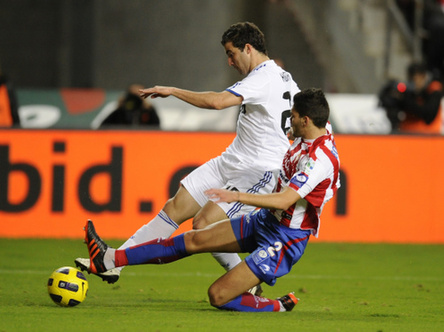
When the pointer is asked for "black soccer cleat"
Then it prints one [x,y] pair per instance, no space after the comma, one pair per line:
[96,249]
[289,301]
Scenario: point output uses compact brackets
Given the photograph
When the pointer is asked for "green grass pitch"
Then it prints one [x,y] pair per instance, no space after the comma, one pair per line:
[342,287]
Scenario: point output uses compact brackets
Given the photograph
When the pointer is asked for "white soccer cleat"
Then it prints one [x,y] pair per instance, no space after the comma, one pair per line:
[256,290]
[110,276]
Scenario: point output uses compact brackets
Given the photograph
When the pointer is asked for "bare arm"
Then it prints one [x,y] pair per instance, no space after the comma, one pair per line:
[281,200]
[211,100]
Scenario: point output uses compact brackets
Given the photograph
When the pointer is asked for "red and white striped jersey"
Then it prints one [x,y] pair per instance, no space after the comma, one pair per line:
[311,167]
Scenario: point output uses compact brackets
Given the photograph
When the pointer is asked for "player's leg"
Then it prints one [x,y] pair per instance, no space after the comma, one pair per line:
[231,285]
[226,293]
[184,205]
[216,237]
[229,293]
[176,210]
[274,250]
[209,214]
[245,179]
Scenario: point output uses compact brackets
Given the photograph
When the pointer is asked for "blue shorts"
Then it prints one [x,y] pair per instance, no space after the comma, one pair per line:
[274,247]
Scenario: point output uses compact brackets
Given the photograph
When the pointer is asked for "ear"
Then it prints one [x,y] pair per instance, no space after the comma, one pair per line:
[248,48]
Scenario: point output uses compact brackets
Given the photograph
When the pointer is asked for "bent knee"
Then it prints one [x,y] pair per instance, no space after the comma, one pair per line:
[180,210]
[171,205]
[194,241]
[216,296]
[200,222]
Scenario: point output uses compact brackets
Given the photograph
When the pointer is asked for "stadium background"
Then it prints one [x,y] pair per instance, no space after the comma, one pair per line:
[70,60]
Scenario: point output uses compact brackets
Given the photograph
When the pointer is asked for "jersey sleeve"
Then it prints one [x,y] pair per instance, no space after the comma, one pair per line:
[313,180]
[251,88]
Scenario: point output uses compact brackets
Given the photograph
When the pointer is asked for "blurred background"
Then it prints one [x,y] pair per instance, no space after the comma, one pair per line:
[345,46]
[342,46]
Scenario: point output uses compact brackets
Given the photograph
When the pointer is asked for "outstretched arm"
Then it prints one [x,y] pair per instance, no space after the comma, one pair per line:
[281,200]
[211,100]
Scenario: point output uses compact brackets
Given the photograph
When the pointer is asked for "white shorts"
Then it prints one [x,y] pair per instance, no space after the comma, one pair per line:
[217,173]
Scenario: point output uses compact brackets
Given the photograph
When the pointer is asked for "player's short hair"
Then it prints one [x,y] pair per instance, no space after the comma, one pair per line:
[312,103]
[244,33]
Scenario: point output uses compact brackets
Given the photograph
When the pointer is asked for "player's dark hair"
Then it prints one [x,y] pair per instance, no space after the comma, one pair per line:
[312,103]
[244,33]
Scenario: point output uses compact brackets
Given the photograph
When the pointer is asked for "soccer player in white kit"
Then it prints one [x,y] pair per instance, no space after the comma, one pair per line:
[250,164]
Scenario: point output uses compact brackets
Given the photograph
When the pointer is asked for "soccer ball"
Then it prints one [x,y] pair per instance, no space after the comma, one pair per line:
[67,286]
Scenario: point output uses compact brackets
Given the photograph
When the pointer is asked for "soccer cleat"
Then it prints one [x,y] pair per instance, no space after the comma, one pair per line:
[288,301]
[256,290]
[110,276]
[96,249]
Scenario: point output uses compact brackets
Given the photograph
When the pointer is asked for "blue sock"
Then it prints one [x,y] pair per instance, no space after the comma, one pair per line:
[250,303]
[158,251]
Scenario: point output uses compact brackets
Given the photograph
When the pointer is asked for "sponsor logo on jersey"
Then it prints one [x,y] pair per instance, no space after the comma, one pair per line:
[309,166]
[262,254]
[299,179]
[259,256]
[285,76]
[264,268]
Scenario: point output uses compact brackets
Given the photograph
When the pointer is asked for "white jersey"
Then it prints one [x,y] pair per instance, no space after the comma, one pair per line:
[252,161]
[261,140]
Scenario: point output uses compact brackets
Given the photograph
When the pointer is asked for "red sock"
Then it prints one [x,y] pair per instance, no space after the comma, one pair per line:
[120,258]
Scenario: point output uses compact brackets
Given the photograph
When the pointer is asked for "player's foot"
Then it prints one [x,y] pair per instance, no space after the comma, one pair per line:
[96,249]
[288,301]
[256,290]
[110,276]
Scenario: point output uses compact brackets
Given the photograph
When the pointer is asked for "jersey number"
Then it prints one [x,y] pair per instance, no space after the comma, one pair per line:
[287,113]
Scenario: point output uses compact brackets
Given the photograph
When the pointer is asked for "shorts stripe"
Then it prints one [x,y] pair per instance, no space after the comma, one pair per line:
[285,248]
[242,230]
[268,176]
[262,183]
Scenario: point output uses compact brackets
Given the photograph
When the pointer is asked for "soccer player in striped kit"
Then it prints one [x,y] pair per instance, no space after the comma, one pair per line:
[275,236]
[250,164]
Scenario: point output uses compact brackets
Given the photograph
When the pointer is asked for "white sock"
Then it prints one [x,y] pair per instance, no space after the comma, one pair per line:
[109,258]
[161,226]
[227,260]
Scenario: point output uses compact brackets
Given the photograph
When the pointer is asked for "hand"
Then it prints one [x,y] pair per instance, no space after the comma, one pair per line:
[157,91]
[222,195]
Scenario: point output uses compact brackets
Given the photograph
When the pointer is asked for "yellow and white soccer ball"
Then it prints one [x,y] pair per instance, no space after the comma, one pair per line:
[67,286]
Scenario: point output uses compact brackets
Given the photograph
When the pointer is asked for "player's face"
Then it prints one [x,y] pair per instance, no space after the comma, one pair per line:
[297,123]
[237,59]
